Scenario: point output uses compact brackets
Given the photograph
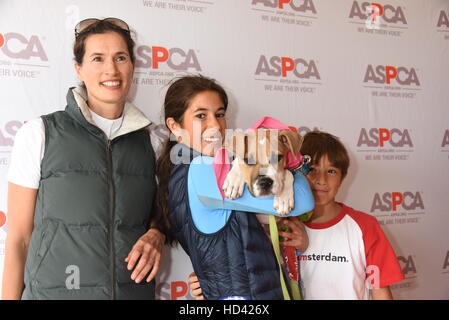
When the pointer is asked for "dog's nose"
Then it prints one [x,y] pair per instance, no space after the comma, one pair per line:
[265,183]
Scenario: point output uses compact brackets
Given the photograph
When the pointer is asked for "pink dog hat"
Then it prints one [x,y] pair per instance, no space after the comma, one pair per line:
[221,161]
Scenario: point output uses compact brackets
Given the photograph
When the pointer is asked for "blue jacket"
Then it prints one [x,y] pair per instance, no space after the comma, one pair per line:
[237,260]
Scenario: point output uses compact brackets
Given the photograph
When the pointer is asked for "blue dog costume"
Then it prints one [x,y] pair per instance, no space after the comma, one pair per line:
[228,248]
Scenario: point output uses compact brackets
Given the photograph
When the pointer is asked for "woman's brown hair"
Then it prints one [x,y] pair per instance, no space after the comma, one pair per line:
[100,27]
[177,99]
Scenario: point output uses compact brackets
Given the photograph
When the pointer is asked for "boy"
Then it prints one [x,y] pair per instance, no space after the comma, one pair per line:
[348,256]
[348,252]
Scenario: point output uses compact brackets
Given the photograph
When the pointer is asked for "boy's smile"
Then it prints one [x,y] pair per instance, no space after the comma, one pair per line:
[325,180]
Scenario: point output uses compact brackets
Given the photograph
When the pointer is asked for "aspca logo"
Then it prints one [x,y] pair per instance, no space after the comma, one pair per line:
[303,6]
[17,46]
[8,133]
[380,137]
[175,58]
[174,290]
[2,219]
[386,74]
[392,201]
[445,142]
[388,13]
[285,66]
[443,20]
[408,266]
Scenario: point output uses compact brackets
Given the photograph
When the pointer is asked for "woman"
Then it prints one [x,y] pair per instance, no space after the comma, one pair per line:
[82,183]
[229,250]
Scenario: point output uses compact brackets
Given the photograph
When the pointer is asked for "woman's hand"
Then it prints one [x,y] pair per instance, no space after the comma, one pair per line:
[195,287]
[147,251]
[21,207]
[297,235]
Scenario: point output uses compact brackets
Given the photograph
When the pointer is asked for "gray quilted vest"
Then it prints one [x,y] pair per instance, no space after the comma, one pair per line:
[94,202]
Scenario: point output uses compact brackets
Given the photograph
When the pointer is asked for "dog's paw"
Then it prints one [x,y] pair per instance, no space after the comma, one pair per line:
[284,203]
[234,184]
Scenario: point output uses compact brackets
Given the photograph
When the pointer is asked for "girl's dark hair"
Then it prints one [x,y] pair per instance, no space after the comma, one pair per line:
[318,144]
[177,99]
[100,27]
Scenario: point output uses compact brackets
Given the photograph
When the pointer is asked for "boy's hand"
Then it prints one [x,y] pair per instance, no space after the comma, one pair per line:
[296,236]
[195,287]
[382,293]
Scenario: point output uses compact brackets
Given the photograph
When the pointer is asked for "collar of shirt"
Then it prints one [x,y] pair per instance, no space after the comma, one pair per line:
[108,126]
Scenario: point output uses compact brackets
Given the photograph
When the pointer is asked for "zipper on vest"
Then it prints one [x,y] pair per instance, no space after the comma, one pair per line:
[111,228]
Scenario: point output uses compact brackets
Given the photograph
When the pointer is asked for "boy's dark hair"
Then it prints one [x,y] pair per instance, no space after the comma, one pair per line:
[318,144]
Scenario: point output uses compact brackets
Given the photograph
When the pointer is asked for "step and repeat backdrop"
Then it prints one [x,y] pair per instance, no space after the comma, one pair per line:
[374,74]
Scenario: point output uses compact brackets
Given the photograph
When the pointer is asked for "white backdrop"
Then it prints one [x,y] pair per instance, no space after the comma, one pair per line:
[382,88]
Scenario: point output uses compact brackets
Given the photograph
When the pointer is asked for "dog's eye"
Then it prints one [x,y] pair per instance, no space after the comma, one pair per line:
[276,158]
[249,161]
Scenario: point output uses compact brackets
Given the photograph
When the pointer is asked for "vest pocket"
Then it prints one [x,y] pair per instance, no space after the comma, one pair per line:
[47,236]
[73,257]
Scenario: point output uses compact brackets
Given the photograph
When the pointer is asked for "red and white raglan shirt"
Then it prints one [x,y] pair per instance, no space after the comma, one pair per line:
[346,257]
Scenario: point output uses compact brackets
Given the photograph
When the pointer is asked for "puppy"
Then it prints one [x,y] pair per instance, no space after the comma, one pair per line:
[260,159]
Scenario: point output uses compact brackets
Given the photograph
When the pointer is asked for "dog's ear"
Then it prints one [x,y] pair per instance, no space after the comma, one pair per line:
[237,144]
[292,140]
